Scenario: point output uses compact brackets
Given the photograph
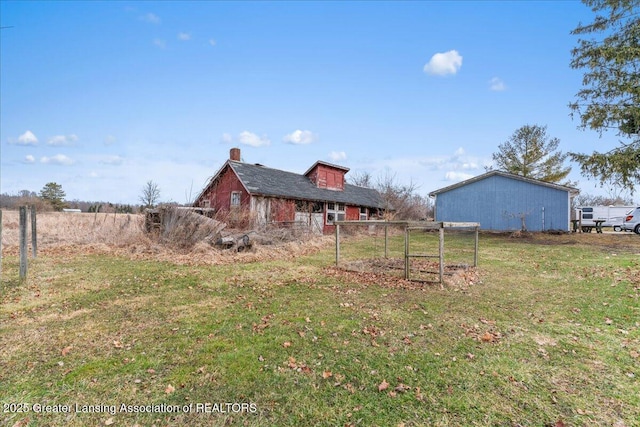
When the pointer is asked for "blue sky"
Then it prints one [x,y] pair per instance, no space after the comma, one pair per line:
[101,97]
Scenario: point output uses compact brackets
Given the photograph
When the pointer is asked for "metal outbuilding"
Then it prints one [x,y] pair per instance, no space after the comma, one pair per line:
[502,201]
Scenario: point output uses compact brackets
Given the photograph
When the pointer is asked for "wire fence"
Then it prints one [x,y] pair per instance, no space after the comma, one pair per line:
[419,251]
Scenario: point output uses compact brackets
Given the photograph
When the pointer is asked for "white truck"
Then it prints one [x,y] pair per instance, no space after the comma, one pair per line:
[589,217]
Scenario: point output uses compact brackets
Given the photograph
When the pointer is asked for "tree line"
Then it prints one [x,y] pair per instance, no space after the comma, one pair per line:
[52,198]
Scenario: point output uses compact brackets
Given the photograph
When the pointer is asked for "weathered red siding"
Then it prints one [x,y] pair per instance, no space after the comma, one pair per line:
[219,193]
[324,176]
[353,213]
[283,210]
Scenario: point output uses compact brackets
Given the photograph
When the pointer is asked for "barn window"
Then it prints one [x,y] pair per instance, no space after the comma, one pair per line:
[363,213]
[335,211]
[313,207]
[302,206]
[235,199]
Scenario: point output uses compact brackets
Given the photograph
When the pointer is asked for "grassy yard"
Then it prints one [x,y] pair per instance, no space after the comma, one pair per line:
[550,336]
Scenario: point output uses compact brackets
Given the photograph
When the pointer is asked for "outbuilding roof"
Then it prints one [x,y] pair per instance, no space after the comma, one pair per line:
[265,181]
[571,190]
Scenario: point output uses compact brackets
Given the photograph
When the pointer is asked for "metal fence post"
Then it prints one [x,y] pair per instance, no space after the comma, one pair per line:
[34,233]
[407,266]
[0,243]
[441,254]
[337,245]
[23,242]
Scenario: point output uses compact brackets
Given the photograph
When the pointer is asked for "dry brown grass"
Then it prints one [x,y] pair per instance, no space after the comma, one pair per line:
[69,234]
[70,229]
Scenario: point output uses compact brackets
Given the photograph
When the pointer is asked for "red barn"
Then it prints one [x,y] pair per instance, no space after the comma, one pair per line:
[259,195]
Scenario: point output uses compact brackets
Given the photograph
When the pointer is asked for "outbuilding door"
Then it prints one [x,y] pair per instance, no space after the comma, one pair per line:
[312,220]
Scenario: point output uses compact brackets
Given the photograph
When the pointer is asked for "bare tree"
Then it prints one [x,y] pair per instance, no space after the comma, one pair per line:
[361,179]
[402,200]
[150,194]
[609,200]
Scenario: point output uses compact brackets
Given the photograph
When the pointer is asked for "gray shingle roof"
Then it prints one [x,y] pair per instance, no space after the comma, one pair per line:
[506,175]
[261,180]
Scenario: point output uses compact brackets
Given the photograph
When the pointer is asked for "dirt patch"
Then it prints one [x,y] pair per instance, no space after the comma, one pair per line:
[390,273]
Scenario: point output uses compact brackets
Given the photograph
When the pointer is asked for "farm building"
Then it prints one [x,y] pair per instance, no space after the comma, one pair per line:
[260,195]
[503,201]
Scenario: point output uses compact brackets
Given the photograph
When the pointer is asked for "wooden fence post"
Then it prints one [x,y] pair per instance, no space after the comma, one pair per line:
[475,252]
[34,232]
[23,242]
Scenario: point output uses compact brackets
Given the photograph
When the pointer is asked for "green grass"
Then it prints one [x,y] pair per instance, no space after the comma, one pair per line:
[551,334]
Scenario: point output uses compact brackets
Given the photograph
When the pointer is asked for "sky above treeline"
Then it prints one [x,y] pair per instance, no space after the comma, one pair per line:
[102,97]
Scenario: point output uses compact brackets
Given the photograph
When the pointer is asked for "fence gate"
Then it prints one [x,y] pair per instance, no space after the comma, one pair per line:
[409,253]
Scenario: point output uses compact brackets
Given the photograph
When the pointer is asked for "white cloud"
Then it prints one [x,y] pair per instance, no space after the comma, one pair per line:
[300,137]
[151,18]
[59,140]
[457,176]
[58,159]
[432,163]
[445,63]
[111,160]
[496,84]
[471,165]
[27,138]
[160,43]
[250,138]
[109,140]
[212,42]
[455,167]
[184,37]
[29,159]
[337,156]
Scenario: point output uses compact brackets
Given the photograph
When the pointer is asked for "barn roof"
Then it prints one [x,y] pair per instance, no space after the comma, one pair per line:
[265,181]
[571,190]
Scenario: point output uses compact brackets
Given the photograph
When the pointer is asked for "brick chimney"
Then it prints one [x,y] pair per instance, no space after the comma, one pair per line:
[234,154]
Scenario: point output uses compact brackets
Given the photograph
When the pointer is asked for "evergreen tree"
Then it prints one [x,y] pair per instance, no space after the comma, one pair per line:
[529,152]
[610,97]
[53,193]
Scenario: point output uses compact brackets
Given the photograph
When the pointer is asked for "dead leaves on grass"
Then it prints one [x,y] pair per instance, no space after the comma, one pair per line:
[486,334]
[399,388]
[366,279]
[264,323]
